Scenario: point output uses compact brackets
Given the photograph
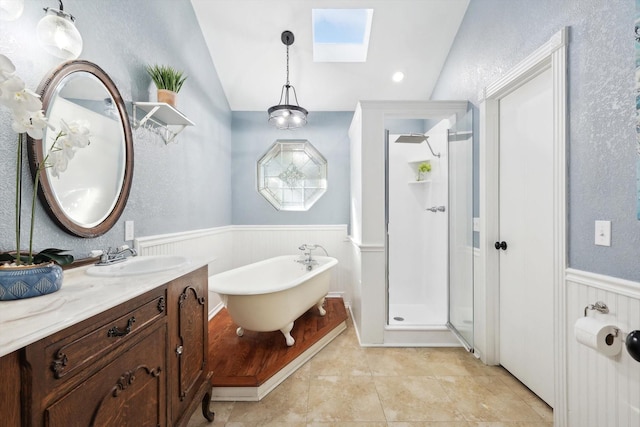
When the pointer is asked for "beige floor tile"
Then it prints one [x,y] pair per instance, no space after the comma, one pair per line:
[392,361]
[510,424]
[222,410]
[345,385]
[349,424]
[430,424]
[493,408]
[410,398]
[541,408]
[340,357]
[265,424]
[340,399]
[287,403]
[481,400]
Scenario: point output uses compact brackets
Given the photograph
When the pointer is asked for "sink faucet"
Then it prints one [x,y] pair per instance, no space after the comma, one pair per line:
[308,258]
[112,256]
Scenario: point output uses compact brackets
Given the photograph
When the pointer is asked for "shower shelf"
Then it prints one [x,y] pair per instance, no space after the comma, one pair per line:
[414,165]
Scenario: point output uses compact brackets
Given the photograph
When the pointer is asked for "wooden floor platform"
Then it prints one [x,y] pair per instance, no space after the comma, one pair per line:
[248,367]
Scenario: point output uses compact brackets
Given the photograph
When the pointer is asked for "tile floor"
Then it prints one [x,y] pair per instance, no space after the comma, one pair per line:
[346,385]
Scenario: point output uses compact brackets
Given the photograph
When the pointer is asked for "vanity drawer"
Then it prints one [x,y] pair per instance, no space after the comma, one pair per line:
[94,342]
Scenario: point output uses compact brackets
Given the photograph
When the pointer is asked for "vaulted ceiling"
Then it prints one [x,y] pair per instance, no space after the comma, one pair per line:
[243,36]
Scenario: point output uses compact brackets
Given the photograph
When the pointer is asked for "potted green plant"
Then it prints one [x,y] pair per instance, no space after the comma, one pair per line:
[423,168]
[168,81]
[27,274]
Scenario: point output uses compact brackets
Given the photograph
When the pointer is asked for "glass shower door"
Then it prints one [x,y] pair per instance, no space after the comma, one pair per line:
[461,230]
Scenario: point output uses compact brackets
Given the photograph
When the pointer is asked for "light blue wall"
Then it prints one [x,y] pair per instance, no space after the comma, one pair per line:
[177,187]
[496,34]
[252,137]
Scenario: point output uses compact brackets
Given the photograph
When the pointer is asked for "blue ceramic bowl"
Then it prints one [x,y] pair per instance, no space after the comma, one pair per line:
[29,281]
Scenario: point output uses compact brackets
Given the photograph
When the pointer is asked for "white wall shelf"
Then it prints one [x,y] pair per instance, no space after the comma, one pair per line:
[161,118]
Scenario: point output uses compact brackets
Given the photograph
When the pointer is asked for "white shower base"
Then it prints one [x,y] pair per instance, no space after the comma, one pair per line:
[417,315]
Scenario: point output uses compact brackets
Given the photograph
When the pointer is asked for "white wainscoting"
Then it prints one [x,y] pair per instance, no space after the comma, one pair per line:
[602,391]
[235,246]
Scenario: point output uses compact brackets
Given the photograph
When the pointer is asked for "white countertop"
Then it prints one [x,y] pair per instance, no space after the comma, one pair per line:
[81,296]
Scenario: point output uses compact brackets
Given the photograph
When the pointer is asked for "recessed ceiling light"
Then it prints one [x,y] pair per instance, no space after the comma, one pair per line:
[398,76]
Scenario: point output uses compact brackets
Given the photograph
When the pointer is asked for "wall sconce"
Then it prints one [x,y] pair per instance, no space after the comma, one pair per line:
[10,10]
[58,34]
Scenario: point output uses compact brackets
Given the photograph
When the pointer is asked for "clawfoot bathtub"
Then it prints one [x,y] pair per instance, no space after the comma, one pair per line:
[270,295]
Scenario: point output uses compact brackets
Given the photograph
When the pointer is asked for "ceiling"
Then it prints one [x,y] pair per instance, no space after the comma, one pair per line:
[243,37]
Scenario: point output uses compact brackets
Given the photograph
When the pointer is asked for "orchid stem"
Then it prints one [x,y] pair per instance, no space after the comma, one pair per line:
[33,210]
[36,183]
[18,196]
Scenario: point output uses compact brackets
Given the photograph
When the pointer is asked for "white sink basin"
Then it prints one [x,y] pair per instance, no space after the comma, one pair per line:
[138,265]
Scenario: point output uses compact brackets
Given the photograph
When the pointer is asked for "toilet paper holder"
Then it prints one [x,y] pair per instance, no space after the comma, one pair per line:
[598,306]
[604,309]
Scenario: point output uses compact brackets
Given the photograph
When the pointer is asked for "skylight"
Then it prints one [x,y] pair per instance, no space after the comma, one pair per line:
[341,35]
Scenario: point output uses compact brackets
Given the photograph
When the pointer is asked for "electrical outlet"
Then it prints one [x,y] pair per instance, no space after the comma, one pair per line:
[128,230]
[603,233]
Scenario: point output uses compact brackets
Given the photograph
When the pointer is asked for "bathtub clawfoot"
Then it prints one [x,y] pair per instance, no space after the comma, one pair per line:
[320,306]
[239,332]
[286,331]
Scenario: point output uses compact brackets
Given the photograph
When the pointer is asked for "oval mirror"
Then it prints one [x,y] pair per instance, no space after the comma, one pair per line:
[86,195]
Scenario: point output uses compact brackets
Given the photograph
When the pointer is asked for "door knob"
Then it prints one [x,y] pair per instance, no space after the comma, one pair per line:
[501,245]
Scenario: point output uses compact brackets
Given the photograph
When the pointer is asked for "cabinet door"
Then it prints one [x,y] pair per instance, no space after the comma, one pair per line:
[10,390]
[188,317]
[128,392]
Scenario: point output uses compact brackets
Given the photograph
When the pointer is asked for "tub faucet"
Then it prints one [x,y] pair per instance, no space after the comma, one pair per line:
[308,257]
[112,256]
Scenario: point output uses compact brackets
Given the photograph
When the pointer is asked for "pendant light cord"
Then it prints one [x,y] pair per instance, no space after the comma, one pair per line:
[287,65]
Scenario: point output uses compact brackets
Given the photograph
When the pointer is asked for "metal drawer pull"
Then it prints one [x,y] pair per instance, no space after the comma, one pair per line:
[115,332]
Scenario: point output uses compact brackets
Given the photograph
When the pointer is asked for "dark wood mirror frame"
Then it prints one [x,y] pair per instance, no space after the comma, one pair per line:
[47,90]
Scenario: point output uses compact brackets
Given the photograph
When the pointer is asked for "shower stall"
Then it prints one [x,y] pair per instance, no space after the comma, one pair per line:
[424,294]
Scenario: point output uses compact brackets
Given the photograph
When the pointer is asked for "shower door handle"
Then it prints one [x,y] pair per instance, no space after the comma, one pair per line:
[501,245]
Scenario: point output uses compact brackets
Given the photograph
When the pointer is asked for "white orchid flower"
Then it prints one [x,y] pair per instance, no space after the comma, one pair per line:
[77,131]
[8,90]
[57,162]
[31,122]
[7,68]
[25,100]
[64,144]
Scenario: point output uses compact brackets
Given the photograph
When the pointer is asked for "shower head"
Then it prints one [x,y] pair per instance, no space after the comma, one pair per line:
[416,138]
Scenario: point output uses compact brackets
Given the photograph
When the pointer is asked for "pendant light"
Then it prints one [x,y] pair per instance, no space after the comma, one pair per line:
[58,34]
[286,115]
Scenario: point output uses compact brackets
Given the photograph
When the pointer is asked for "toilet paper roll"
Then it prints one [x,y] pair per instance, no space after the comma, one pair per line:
[598,335]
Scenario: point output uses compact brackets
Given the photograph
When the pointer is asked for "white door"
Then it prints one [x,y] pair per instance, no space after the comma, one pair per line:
[526,226]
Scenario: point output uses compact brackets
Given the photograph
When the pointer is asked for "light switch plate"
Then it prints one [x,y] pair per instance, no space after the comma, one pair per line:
[476,224]
[128,230]
[603,233]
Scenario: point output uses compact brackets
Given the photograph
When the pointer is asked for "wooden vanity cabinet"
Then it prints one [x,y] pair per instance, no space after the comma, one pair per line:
[102,371]
[189,381]
[121,368]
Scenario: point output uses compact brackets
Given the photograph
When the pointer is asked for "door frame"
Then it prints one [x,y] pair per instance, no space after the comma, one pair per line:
[551,55]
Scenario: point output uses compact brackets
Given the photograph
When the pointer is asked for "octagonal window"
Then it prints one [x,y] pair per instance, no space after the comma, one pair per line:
[292,175]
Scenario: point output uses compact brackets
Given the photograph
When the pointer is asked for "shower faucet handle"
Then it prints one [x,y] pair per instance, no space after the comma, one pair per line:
[436,209]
